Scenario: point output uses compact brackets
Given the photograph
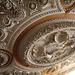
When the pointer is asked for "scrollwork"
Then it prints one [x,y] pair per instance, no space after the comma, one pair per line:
[32,5]
[39,49]
[5,60]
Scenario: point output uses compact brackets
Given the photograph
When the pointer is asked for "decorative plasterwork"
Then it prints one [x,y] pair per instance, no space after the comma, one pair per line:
[31,34]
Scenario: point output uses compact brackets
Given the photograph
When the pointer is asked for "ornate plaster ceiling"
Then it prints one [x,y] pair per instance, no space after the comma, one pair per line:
[37,37]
